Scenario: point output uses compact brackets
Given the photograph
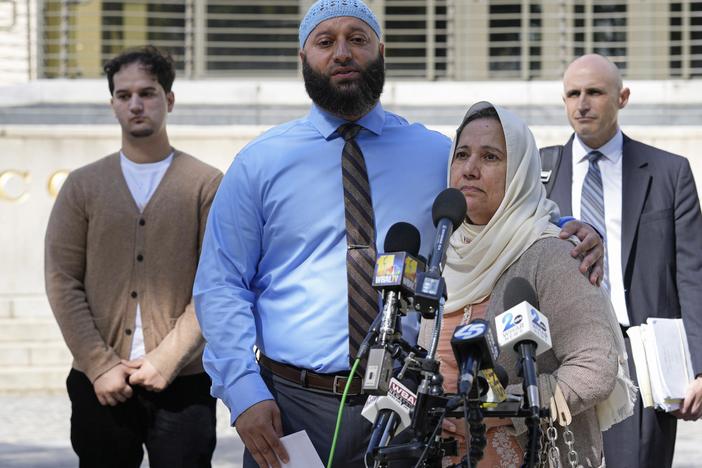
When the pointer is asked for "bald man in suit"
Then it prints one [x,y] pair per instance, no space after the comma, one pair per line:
[653,233]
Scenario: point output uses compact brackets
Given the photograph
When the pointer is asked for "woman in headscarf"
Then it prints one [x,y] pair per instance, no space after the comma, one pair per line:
[507,234]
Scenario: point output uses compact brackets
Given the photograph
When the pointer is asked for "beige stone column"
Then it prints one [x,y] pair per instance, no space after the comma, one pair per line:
[471,40]
[135,15]
[648,39]
[88,38]
[556,37]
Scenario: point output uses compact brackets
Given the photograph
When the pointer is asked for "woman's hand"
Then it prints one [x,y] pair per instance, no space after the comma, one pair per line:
[591,248]
[448,425]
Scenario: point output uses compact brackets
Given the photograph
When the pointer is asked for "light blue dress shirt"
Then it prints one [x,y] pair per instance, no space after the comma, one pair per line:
[272,270]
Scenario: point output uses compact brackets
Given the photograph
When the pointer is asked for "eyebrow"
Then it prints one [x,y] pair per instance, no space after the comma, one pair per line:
[493,148]
[349,29]
[147,88]
[587,90]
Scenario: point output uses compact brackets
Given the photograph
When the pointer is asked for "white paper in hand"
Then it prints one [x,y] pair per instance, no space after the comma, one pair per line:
[301,451]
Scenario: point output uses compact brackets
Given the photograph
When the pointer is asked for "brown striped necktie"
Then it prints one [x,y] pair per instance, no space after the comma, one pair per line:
[360,239]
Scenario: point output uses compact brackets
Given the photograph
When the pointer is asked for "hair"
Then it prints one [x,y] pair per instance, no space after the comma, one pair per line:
[485,113]
[159,63]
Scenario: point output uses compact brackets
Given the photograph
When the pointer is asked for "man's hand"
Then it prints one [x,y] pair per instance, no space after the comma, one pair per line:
[111,387]
[590,248]
[691,409]
[260,429]
[142,372]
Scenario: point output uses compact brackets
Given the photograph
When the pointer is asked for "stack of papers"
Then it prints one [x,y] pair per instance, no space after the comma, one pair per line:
[662,359]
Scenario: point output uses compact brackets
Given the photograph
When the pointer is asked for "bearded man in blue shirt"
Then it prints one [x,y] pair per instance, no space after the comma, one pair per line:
[281,265]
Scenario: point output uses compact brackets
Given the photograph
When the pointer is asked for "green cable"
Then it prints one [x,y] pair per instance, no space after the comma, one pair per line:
[340,415]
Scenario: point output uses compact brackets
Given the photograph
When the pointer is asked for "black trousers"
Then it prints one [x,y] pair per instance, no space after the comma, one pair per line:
[646,439]
[177,426]
[316,412]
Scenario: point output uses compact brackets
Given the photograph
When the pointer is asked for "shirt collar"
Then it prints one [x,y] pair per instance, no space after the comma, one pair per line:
[326,123]
[612,150]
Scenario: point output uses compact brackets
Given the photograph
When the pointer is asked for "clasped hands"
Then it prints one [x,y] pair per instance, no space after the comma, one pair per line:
[115,385]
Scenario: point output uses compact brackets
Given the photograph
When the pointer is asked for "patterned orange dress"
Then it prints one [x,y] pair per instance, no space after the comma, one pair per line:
[503,449]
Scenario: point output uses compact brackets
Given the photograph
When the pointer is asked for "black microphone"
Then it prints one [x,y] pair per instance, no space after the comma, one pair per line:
[402,237]
[395,275]
[475,349]
[448,212]
[525,330]
[493,380]
[390,415]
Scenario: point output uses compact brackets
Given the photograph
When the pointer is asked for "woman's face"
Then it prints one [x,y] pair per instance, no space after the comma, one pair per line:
[479,168]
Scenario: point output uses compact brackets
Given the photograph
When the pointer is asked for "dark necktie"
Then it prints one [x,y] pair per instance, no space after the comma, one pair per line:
[360,239]
[592,206]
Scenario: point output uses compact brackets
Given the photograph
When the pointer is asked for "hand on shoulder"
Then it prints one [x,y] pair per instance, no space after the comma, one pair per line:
[590,249]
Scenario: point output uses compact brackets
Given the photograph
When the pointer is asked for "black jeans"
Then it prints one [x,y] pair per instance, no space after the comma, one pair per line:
[176,425]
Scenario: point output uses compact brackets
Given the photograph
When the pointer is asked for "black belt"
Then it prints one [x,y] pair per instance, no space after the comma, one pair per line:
[308,379]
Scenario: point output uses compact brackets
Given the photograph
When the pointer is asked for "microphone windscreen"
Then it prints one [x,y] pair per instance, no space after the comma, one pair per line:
[449,204]
[403,237]
[501,374]
[519,290]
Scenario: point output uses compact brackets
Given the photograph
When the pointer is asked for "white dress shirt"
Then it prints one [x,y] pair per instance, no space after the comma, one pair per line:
[611,169]
[142,180]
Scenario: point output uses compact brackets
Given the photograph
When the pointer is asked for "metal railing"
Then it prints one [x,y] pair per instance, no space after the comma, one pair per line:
[425,39]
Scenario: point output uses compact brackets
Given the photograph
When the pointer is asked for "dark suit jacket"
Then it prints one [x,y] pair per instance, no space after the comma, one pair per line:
[661,236]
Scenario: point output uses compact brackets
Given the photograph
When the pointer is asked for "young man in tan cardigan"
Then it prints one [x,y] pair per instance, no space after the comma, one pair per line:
[122,247]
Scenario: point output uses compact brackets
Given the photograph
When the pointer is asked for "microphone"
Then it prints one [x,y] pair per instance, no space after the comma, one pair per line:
[525,330]
[496,380]
[475,349]
[395,275]
[390,414]
[448,212]
[396,269]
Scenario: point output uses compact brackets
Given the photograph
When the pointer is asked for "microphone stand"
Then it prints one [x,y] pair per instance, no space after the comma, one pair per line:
[527,371]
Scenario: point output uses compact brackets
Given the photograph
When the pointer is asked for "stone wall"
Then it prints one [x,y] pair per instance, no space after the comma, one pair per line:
[34,162]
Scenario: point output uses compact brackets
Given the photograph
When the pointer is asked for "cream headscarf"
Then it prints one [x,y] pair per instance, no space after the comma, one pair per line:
[478,255]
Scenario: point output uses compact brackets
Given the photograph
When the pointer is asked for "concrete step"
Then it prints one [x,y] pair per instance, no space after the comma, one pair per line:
[29,329]
[34,306]
[18,379]
[32,353]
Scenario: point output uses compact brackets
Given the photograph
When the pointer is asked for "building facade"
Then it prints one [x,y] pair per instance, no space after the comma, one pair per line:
[459,40]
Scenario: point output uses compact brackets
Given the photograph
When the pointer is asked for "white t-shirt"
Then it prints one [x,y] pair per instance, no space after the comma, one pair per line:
[142,180]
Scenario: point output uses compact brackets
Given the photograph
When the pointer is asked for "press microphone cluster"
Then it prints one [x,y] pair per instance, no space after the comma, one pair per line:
[524,330]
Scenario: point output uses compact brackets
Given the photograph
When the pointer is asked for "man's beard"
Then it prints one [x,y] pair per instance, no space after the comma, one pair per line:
[142,133]
[351,98]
